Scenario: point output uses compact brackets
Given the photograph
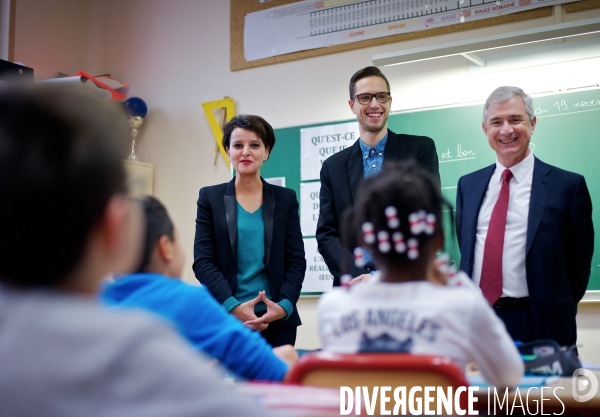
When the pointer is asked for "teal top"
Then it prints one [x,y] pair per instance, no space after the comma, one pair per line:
[251,267]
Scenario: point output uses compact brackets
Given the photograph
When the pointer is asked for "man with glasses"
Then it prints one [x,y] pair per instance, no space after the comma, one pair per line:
[370,100]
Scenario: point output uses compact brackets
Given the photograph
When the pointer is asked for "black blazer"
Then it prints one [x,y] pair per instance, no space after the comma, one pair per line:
[215,245]
[341,174]
[559,243]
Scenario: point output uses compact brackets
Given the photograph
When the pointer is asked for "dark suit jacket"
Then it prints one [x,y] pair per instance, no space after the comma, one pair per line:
[559,243]
[341,174]
[215,245]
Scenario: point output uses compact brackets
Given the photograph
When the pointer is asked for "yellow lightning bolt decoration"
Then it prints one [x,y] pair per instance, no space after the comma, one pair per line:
[209,107]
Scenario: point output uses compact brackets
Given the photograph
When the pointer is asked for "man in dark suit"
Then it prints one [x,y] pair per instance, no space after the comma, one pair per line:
[525,228]
[341,174]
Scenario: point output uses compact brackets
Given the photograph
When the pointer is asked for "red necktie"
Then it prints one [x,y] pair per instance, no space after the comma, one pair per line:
[491,269]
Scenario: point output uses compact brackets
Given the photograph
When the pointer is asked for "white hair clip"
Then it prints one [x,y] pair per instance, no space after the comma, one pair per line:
[359,259]
[452,271]
[345,280]
[414,221]
[413,249]
[368,233]
[418,222]
[399,245]
[430,223]
[384,241]
[391,214]
[444,259]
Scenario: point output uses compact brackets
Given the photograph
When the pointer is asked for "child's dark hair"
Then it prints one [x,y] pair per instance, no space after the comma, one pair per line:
[61,162]
[158,223]
[402,191]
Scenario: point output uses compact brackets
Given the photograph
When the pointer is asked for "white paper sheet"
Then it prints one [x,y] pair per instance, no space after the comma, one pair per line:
[317,277]
[309,207]
[314,24]
[319,143]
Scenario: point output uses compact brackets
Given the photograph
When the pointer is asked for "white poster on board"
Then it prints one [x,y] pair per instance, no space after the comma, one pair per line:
[316,24]
[317,277]
[309,207]
[319,143]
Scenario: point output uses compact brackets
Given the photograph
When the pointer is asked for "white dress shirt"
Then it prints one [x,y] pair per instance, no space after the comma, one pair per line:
[514,281]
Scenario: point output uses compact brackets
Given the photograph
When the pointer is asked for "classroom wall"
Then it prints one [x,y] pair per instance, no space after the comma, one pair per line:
[53,36]
[175,55]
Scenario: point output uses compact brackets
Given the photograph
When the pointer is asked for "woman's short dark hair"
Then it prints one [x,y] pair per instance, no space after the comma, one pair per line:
[61,161]
[252,123]
[409,189]
[158,224]
[364,73]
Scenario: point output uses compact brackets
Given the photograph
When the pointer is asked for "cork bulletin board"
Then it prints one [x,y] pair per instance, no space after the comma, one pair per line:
[581,6]
[239,8]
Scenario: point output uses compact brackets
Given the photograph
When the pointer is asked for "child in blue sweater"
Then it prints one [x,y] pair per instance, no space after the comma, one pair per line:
[197,315]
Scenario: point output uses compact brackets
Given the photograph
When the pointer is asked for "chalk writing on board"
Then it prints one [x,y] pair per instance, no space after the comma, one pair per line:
[562,105]
[539,110]
[554,107]
[588,103]
[460,155]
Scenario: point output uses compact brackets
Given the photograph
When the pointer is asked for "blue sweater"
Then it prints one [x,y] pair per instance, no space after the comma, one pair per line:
[201,320]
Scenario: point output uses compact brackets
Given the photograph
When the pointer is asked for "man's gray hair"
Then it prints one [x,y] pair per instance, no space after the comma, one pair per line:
[505,93]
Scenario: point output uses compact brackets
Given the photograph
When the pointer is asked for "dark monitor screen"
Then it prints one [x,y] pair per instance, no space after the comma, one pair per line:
[11,73]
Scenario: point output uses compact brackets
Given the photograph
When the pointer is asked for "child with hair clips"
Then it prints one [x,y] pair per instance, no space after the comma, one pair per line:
[397,218]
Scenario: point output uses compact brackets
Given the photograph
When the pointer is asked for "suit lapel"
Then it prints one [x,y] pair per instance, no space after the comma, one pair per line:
[477,190]
[268,216]
[541,184]
[230,209]
[392,147]
[355,168]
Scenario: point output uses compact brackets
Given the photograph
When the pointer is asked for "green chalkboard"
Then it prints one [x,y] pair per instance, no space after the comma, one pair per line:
[567,135]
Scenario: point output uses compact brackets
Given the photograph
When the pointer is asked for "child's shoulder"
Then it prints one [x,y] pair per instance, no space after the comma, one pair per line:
[460,292]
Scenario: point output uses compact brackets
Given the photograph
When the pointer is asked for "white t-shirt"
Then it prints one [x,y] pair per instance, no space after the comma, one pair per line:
[421,318]
[66,356]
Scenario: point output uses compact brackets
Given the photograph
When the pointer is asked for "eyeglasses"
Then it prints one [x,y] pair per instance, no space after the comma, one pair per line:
[366,98]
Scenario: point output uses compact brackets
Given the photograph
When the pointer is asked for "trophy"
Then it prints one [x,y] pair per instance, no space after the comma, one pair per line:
[137,110]
[135,122]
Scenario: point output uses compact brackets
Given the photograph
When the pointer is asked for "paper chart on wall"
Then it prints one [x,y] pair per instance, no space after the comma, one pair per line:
[309,207]
[319,143]
[316,24]
[317,277]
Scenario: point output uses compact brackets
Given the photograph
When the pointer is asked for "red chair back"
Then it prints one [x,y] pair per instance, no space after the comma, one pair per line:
[333,370]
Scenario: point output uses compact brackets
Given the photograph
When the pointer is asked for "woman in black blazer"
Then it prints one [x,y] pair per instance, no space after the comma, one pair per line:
[248,249]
